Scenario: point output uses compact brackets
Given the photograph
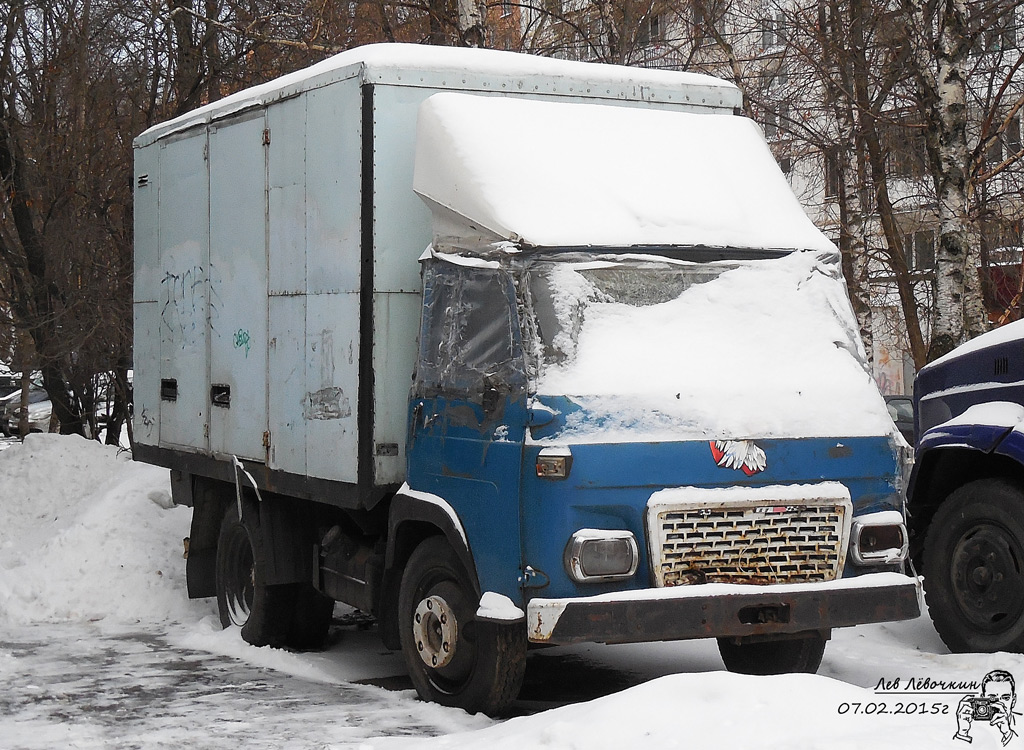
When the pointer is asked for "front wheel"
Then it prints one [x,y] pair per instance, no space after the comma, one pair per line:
[777,656]
[453,658]
[974,568]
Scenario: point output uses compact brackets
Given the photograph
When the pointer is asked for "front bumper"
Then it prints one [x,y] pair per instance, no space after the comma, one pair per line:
[723,610]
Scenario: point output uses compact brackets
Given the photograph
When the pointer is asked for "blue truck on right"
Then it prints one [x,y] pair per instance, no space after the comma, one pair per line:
[966,492]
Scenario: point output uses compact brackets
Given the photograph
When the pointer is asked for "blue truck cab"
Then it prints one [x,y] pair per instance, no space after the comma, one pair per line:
[415,331]
[966,494]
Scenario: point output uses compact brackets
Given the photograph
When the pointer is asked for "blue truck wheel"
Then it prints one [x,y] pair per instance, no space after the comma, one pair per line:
[453,658]
[974,567]
[781,655]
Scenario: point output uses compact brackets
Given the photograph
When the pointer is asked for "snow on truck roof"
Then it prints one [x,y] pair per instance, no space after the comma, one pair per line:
[1004,334]
[475,69]
[567,174]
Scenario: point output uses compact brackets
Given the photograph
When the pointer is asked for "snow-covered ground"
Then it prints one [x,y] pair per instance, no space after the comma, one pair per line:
[101,648]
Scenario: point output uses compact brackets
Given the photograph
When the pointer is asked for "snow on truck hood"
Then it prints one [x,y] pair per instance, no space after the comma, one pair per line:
[576,175]
[764,349]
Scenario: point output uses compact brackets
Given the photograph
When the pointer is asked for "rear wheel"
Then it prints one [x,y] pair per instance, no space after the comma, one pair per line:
[243,598]
[974,567]
[311,619]
[453,658]
[777,656]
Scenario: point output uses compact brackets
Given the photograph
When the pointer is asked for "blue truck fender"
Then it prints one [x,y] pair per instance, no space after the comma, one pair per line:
[412,517]
[981,427]
[961,449]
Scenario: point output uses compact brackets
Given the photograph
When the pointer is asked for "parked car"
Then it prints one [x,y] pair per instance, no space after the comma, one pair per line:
[9,384]
[39,413]
[901,409]
[10,411]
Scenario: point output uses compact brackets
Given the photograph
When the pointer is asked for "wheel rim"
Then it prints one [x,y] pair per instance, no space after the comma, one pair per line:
[441,618]
[239,580]
[435,630]
[988,583]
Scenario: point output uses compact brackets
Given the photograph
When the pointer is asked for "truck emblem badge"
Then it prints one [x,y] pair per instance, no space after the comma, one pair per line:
[742,455]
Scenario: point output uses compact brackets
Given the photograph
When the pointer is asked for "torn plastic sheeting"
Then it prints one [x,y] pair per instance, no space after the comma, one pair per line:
[467,341]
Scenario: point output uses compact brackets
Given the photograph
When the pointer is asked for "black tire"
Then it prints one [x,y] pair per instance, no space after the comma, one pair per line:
[263,612]
[311,619]
[481,667]
[778,656]
[974,568]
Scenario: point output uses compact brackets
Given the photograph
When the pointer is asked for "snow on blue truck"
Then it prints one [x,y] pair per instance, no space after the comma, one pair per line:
[507,351]
[966,494]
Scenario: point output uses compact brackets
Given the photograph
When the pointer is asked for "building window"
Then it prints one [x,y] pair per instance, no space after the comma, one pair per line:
[773,31]
[775,123]
[700,21]
[903,142]
[994,29]
[651,31]
[919,248]
[1006,145]
[833,174]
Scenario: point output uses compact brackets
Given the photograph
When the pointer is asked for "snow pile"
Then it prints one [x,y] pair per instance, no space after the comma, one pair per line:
[765,350]
[714,183]
[713,710]
[88,535]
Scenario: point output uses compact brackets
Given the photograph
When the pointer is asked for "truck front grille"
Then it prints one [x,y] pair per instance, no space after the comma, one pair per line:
[751,541]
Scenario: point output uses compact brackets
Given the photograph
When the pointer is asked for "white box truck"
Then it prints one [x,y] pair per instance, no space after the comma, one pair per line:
[503,351]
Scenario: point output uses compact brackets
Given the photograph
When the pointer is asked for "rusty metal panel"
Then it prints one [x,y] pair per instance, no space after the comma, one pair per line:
[400,240]
[329,404]
[146,387]
[287,383]
[333,145]
[396,319]
[238,287]
[286,231]
[146,293]
[183,238]
[286,196]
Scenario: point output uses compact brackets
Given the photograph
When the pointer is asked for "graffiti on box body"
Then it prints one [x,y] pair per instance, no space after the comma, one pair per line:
[184,310]
[243,341]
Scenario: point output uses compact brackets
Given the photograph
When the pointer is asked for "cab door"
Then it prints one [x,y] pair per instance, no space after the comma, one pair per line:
[467,413]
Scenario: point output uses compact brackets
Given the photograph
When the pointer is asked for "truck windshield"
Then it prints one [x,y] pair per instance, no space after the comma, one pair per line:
[724,349]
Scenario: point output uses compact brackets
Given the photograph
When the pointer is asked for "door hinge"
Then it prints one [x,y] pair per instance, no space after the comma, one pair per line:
[266,439]
[266,136]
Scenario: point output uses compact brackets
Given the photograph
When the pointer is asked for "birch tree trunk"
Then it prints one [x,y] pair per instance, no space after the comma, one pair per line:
[941,72]
[472,16]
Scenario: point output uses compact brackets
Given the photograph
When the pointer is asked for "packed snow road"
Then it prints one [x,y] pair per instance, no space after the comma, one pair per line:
[100,648]
[73,686]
